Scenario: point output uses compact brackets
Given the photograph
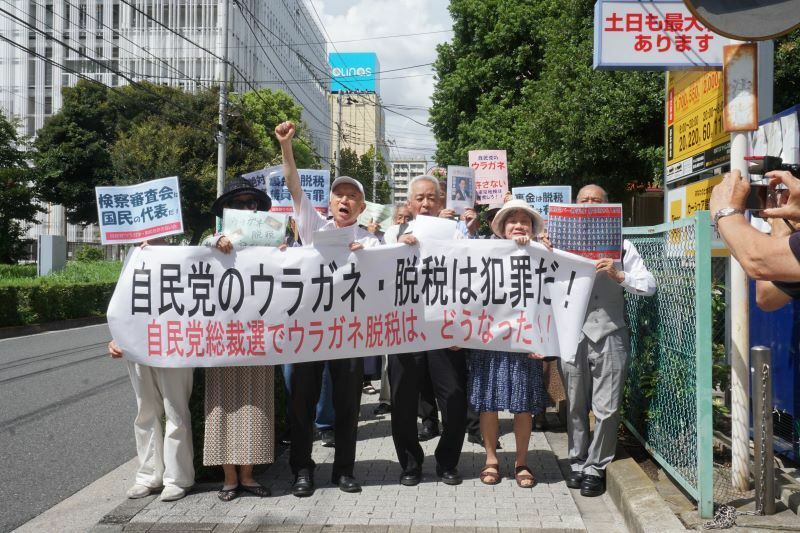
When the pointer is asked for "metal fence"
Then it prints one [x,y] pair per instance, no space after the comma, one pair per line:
[668,402]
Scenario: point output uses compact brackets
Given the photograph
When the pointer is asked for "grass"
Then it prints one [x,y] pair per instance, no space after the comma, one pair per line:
[75,273]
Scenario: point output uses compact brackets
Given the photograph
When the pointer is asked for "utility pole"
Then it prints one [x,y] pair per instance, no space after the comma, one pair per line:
[339,138]
[223,101]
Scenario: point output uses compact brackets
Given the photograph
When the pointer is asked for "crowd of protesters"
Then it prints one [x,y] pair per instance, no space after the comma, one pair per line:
[463,390]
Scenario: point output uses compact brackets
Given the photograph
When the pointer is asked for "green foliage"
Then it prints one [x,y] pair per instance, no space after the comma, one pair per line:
[518,76]
[17,271]
[133,134]
[17,206]
[787,71]
[720,369]
[361,168]
[80,290]
[90,253]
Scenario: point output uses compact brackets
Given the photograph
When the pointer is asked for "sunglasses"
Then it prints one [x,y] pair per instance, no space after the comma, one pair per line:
[247,203]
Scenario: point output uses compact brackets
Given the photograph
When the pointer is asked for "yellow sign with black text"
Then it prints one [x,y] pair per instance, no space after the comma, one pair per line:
[685,201]
[695,137]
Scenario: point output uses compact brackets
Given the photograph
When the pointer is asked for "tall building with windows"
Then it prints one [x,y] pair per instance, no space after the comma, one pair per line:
[46,45]
[357,116]
[403,172]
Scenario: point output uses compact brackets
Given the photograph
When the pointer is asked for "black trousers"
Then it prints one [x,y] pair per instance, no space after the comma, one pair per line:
[448,373]
[427,410]
[347,376]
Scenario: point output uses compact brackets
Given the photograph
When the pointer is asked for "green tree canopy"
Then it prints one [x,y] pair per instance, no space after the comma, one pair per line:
[17,198]
[131,134]
[361,168]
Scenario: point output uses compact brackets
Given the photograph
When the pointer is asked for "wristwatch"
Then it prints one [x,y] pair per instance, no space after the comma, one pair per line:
[726,212]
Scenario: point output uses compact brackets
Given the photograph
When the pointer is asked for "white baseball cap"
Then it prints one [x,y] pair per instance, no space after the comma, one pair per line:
[347,179]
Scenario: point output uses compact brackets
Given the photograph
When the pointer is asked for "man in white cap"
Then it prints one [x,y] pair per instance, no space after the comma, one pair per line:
[346,203]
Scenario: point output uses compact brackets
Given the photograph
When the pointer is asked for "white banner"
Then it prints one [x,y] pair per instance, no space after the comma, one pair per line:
[135,213]
[491,175]
[539,197]
[195,306]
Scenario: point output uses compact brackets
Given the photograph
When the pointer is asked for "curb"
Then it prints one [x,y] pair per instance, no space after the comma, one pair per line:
[20,331]
[636,497]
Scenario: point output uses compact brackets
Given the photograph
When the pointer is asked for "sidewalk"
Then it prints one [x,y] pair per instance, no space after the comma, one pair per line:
[385,505]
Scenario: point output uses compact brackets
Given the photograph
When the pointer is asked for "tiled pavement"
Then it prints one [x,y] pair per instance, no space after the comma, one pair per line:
[384,505]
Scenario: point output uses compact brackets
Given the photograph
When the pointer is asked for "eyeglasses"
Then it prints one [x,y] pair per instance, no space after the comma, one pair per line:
[244,203]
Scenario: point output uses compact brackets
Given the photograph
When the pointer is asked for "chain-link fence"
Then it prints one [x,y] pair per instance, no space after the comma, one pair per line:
[668,402]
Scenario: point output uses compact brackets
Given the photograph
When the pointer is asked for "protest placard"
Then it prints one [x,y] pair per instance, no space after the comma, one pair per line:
[134,213]
[381,214]
[589,230]
[195,306]
[460,188]
[253,228]
[315,183]
[491,175]
[539,197]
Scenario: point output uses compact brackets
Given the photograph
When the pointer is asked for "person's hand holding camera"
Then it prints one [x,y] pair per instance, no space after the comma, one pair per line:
[729,196]
[790,209]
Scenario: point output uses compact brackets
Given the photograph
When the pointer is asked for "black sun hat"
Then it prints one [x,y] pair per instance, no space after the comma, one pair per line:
[234,188]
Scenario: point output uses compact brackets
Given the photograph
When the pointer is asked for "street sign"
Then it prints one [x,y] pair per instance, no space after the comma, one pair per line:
[696,140]
[652,35]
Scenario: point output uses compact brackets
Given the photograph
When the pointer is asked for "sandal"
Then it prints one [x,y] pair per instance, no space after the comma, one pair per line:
[369,389]
[524,477]
[488,477]
[227,495]
[258,489]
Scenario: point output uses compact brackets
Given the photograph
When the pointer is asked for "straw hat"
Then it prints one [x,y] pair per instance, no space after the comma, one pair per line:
[499,222]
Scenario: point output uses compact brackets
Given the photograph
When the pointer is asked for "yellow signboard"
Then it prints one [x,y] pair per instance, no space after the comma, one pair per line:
[685,201]
[695,137]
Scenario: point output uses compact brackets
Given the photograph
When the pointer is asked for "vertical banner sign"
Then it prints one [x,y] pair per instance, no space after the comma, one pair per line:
[741,87]
[539,197]
[460,188]
[135,213]
[491,175]
[315,183]
[589,230]
[661,35]
[695,138]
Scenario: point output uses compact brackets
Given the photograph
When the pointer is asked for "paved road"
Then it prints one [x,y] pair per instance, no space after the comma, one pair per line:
[66,411]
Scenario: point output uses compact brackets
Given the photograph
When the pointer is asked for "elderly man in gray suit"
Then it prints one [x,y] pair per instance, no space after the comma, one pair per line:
[595,379]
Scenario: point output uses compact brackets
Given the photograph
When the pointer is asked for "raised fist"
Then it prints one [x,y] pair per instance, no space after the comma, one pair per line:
[284,131]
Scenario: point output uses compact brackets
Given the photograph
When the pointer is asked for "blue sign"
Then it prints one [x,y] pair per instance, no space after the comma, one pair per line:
[354,72]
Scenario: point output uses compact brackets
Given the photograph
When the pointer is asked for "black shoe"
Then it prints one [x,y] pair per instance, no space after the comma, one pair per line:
[347,484]
[427,433]
[449,477]
[593,486]
[285,439]
[328,438]
[540,421]
[382,409]
[303,485]
[411,478]
[574,480]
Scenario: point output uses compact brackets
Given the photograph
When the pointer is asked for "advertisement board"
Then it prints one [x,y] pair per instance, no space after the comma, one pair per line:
[652,36]
[685,201]
[695,138]
[354,72]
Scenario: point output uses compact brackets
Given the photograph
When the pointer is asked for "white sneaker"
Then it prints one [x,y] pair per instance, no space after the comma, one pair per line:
[138,491]
[172,493]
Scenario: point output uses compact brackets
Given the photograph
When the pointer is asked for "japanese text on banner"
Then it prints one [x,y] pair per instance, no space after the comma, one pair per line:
[193,306]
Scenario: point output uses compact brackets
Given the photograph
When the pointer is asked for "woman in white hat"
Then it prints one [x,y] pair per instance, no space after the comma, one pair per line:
[504,381]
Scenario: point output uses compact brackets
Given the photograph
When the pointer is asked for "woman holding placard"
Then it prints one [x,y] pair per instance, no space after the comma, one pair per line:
[500,381]
[240,400]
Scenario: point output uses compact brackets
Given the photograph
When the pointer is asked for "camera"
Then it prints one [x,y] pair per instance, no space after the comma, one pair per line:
[761,195]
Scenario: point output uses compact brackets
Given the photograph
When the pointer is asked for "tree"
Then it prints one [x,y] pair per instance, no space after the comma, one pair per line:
[361,168]
[131,134]
[17,198]
[518,76]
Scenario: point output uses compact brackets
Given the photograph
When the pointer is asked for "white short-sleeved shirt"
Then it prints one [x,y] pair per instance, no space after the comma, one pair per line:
[309,221]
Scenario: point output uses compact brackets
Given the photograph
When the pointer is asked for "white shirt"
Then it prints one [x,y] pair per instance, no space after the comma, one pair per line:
[638,280]
[309,220]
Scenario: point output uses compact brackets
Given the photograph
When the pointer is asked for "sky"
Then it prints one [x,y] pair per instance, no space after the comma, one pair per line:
[360,19]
